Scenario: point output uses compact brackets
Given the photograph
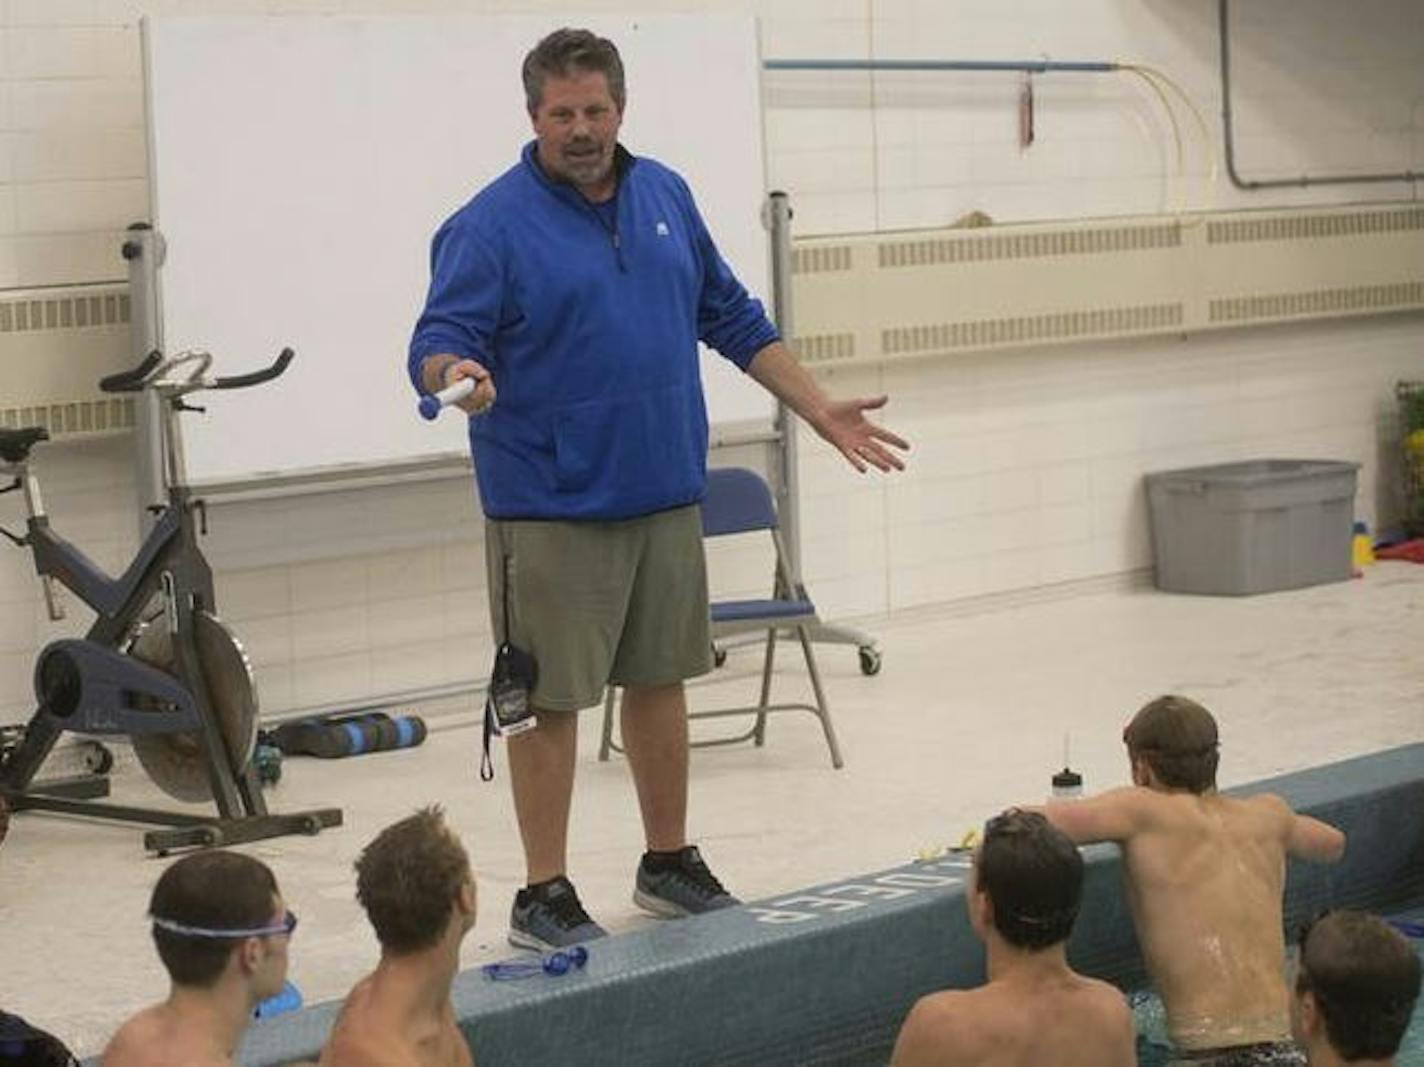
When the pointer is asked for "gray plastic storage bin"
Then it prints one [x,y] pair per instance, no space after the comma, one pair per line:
[1252,527]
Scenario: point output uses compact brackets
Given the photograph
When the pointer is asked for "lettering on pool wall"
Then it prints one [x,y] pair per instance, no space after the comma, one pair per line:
[862,893]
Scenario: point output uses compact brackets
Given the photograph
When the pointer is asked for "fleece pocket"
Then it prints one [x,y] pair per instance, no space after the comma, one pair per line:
[632,450]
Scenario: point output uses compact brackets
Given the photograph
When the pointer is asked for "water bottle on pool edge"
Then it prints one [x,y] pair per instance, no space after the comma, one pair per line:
[1067,783]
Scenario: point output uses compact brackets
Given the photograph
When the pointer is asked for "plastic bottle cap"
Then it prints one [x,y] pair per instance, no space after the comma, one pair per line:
[1067,779]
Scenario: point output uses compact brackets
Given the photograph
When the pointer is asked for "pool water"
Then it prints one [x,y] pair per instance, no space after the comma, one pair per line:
[1153,1048]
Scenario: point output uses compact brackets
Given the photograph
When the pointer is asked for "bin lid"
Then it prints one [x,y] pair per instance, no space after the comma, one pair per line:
[1254,472]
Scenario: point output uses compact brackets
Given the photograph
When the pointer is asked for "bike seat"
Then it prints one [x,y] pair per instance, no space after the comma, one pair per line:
[15,445]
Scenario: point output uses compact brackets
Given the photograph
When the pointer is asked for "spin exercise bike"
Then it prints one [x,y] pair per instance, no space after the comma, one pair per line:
[157,666]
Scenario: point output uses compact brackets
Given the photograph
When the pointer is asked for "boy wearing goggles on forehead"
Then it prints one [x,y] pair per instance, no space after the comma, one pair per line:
[221,929]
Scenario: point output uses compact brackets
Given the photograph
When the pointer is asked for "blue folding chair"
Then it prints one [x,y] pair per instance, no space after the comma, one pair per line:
[738,501]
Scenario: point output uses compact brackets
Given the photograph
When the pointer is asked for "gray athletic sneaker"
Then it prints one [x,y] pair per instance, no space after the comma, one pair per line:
[677,884]
[549,916]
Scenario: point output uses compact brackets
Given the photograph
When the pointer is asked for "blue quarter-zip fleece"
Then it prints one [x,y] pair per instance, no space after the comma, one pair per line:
[590,330]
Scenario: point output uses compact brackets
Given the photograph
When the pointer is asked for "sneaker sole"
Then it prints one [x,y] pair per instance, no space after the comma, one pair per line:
[520,939]
[663,909]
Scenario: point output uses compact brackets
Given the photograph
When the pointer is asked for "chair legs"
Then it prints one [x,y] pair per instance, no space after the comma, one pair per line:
[757,733]
[606,745]
[822,709]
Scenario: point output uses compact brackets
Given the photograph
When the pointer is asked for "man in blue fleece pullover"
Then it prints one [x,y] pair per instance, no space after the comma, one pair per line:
[575,287]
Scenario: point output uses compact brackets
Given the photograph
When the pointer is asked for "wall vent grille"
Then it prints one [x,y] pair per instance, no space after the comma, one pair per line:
[918,294]
[67,418]
[820,259]
[826,348]
[1353,300]
[1097,240]
[1031,329]
[1311,227]
[64,311]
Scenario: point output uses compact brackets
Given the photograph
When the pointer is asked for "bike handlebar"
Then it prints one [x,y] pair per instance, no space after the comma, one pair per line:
[257,377]
[131,381]
[135,379]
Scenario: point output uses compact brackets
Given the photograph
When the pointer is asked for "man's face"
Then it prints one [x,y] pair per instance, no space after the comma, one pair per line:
[576,124]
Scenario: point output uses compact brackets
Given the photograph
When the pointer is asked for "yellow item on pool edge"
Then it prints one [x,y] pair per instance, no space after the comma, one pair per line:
[968,843]
[1362,550]
[1414,444]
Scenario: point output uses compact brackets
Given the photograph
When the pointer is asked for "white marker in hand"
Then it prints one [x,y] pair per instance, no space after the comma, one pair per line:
[431,404]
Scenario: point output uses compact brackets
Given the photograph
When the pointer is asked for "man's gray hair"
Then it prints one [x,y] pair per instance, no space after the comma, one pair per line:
[567,51]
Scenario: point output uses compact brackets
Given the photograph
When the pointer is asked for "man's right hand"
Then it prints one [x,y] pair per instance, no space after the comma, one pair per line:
[441,372]
[482,399]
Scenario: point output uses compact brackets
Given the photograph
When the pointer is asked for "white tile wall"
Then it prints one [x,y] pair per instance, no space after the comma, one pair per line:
[1026,468]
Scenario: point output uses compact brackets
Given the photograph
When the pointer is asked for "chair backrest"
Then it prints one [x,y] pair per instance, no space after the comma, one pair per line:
[737,501]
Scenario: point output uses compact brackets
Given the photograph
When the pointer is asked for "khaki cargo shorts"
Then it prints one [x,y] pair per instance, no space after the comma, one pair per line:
[599,602]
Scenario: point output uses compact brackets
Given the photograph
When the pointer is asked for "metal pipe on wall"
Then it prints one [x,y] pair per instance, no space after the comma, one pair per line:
[1030,66]
[1304,181]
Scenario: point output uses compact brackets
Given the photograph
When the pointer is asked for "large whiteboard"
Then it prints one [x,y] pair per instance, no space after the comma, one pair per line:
[298,167]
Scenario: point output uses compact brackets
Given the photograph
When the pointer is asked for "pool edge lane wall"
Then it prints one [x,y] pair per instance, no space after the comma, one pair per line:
[826,975]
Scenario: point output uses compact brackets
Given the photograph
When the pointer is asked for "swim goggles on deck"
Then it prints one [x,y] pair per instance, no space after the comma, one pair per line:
[555,964]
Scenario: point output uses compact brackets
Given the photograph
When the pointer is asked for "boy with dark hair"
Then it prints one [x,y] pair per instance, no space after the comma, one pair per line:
[415,882]
[1028,883]
[222,931]
[1205,876]
[1355,990]
[23,1045]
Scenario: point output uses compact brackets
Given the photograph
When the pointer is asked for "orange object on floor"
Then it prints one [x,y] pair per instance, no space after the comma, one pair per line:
[1409,551]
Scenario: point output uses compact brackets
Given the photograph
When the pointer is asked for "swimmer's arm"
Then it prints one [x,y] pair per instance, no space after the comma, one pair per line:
[1112,816]
[342,1051]
[1316,841]
[927,1039]
[1309,839]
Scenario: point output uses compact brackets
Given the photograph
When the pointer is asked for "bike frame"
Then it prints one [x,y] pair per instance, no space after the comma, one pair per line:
[169,568]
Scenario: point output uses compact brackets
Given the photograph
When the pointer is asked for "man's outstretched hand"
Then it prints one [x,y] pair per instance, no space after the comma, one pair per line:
[862,442]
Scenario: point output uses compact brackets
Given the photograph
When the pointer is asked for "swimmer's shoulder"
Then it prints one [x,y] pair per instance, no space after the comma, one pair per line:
[1103,1010]
[135,1043]
[1106,1001]
[363,1037]
[944,1028]
[360,1046]
[1269,809]
[127,1040]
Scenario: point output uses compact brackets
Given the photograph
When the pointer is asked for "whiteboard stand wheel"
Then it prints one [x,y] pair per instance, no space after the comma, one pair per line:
[869,660]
